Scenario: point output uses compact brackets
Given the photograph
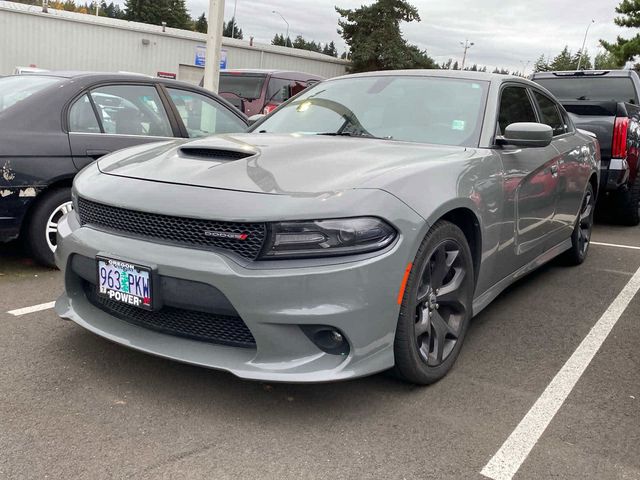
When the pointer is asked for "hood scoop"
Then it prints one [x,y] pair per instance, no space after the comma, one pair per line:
[216,154]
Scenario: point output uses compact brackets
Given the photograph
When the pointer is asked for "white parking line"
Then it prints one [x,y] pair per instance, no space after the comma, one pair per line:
[630,247]
[514,451]
[35,308]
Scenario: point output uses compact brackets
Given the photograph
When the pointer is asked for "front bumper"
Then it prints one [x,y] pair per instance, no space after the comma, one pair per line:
[358,297]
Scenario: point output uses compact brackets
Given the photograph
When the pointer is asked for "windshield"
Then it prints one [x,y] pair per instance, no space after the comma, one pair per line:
[17,88]
[597,89]
[436,110]
[244,86]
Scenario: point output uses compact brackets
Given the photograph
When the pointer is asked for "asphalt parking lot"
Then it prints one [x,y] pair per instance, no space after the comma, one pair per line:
[73,405]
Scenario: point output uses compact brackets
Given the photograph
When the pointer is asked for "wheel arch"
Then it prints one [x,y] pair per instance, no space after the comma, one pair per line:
[64,182]
[467,220]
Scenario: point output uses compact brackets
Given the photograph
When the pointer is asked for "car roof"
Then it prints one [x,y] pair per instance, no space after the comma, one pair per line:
[267,71]
[90,77]
[460,74]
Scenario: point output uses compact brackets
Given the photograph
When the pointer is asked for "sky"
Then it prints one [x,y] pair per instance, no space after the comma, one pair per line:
[505,33]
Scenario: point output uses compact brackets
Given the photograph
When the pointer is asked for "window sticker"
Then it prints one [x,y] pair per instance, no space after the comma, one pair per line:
[458,125]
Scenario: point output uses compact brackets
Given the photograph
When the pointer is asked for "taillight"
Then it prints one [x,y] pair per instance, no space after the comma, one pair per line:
[269,108]
[619,143]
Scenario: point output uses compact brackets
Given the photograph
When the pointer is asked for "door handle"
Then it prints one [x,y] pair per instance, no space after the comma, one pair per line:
[96,154]
[554,170]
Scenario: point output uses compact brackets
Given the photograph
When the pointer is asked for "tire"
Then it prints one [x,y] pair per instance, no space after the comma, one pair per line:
[432,324]
[627,204]
[43,222]
[581,236]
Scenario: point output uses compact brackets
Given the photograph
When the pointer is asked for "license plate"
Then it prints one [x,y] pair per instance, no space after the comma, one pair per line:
[125,282]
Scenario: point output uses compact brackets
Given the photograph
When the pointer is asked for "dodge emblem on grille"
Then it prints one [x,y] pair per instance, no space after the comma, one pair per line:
[232,236]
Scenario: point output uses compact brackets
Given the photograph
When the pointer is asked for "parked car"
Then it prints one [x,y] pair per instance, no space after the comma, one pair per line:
[54,124]
[357,228]
[606,103]
[256,92]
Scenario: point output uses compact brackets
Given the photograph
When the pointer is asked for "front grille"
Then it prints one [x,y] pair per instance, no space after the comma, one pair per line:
[201,326]
[192,232]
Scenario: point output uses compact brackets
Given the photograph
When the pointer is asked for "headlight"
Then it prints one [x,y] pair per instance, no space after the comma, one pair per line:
[323,238]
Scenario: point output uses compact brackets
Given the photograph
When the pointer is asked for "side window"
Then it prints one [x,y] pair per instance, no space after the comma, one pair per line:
[203,116]
[82,118]
[515,107]
[275,92]
[132,110]
[550,114]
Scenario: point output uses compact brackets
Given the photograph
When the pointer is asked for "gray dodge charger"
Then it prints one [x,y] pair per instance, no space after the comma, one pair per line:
[356,229]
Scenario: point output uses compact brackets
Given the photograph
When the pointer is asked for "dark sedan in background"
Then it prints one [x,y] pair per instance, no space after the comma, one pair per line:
[54,124]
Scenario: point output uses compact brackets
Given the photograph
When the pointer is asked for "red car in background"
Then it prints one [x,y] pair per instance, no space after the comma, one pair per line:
[262,91]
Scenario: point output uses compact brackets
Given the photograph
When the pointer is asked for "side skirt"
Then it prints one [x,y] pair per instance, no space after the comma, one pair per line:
[481,302]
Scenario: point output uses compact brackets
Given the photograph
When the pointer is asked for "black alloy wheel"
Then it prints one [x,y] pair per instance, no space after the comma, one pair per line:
[436,309]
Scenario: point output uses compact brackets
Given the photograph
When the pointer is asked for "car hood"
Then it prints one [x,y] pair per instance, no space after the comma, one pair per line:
[273,163]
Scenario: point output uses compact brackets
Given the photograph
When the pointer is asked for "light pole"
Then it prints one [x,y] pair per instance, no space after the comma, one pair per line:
[233,29]
[466,46]
[285,21]
[584,42]
[214,45]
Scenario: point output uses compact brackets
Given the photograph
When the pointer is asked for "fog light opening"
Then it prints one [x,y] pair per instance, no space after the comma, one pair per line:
[328,339]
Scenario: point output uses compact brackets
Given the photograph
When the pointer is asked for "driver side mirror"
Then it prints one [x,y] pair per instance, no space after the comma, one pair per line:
[527,135]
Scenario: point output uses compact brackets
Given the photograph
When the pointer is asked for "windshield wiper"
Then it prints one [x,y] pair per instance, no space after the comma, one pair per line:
[351,134]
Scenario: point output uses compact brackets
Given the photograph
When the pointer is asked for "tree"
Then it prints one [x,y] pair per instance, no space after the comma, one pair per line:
[585,63]
[173,12]
[562,61]
[279,40]
[606,61]
[373,35]
[541,65]
[201,25]
[624,50]
[455,66]
[330,49]
[232,30]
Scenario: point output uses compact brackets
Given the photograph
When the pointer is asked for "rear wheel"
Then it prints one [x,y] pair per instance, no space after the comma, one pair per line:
[436,307]
[42,228]
[627,204]
[581,238]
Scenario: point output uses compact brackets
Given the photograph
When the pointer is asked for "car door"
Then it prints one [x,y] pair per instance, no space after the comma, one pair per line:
[107,118]
[530,182]
[573,166]
[201,115]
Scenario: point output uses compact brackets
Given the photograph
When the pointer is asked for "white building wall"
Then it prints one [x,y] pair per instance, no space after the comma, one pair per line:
[72,41]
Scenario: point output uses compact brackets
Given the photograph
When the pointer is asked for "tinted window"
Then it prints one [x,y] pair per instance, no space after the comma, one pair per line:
[203,116]
[515,107]
[550,114]
[276,90]
[17,88]
[599,89]
[132,110]
[411,108]
[244,86]
[82,118]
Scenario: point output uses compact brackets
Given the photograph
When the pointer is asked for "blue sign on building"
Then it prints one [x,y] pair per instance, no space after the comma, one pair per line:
[201,57]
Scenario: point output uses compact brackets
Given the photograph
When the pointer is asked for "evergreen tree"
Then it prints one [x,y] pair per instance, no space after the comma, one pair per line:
[330,49]
[585,63]
[173,12]
[373,35]
[606,61]
[624,50]
[201,25]
[455,66]
[231,29]
[562,61]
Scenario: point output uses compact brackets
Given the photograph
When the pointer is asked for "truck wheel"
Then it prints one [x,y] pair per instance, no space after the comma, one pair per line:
[43,225]
[628,204]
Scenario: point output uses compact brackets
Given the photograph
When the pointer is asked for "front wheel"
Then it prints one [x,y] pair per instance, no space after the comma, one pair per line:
[436,308]
[42,228]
